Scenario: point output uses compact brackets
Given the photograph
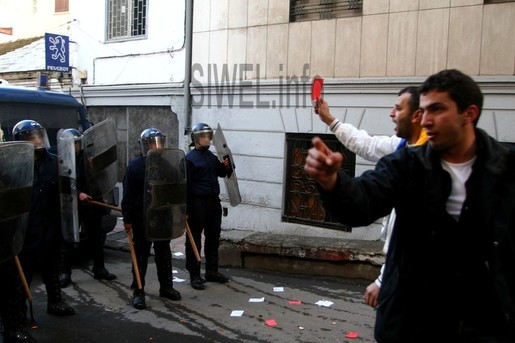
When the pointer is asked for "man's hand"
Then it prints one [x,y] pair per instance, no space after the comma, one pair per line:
[127,227]
[84,197]
[322,164]
[322,109]
[371,294]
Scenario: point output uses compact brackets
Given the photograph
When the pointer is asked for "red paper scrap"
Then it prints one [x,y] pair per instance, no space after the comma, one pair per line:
[295,302]
[271,322]
[352,335]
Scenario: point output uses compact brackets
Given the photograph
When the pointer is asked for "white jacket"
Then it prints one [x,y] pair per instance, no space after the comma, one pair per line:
[371,148]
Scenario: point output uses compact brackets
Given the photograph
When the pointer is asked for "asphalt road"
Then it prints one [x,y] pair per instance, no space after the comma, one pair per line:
[104,312]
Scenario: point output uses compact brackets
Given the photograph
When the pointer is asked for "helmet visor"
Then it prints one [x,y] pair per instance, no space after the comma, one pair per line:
[203,138]
[151,143]
[38,137]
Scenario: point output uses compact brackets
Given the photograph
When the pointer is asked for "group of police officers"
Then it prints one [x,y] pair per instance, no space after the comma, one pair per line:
[38,225]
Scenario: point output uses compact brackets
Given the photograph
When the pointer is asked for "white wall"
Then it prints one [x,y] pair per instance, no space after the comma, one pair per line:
[156,59]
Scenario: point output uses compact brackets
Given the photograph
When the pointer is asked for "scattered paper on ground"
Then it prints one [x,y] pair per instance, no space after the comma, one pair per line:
[237,313]
[278,289]
[323,302]
[295,302]
[256,300]
[176,279]
[178,254]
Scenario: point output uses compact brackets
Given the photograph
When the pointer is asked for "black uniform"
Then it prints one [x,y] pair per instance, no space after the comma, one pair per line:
[90,217]
[133,213]
[43,238]
[204,208]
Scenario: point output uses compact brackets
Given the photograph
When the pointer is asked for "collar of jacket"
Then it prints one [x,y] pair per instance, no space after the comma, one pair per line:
[493,153]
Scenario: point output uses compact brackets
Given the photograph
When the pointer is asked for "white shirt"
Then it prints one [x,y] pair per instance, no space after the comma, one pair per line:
[460,172]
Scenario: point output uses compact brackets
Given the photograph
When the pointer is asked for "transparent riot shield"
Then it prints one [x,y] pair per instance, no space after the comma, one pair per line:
[100,158]
[68,186]
[16,173]
[165,194]
[231,181]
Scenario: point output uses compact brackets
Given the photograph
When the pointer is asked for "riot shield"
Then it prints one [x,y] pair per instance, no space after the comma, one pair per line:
[68,186]
[231,182]
[16,173]
[165,194]
[100,158]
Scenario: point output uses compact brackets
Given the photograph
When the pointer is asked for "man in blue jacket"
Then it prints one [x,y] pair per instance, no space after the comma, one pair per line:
[451,277]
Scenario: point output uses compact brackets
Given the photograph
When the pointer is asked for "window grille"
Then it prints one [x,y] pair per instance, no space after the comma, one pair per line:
[301,203]
[303,10]
[127,18]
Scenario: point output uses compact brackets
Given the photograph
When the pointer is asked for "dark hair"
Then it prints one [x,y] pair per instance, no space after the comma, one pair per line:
[414,97]
[462,89]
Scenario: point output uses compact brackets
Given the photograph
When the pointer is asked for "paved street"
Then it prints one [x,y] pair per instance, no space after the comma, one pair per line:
[104,312]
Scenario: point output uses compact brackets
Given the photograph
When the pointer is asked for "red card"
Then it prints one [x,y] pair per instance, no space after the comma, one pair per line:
[295,302]
[316,88]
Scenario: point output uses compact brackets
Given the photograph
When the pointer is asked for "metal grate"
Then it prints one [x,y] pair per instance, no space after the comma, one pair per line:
[301,203]
[127,18]
[303,10]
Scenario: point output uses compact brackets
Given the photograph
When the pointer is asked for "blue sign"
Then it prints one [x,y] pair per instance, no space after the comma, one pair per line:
[57,52]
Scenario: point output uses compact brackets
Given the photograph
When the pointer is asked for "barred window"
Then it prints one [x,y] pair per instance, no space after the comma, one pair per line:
[61,6]
[303,10]
[301,203]
[127,18]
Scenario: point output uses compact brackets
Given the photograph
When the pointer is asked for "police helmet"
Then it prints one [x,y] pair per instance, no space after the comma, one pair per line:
[201,130]
[76,133]
[32,131]
[151,136]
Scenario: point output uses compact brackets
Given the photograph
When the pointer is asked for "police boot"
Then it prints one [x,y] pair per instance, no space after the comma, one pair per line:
[212,274]
[13,319]
[55,303]
[138,299]
[165,277]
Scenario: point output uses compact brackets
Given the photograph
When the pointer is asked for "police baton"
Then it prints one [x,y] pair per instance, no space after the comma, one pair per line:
[131,242]
[26,287]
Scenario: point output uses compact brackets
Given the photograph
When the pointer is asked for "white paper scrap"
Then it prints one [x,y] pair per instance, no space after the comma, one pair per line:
[278,289]
[323,302]
[176,279]
[256,300]
[236,313]
[178,254]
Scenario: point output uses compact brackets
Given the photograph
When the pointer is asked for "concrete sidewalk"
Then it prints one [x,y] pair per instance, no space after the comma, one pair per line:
[283,253]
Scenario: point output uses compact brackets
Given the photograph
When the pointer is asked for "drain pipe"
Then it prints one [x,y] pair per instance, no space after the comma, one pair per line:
[187,73]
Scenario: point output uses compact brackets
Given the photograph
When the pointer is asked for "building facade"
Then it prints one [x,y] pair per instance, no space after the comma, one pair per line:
[251,69]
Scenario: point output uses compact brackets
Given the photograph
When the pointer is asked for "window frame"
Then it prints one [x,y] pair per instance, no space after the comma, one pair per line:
[300,191]
[129,21]
[61,6]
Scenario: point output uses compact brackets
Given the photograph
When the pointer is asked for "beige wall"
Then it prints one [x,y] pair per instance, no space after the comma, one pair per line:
[393,38]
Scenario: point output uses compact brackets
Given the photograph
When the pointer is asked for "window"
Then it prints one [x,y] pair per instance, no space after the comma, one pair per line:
[496,1]
[303,10]
[61,6]
[127,18]
[301,203]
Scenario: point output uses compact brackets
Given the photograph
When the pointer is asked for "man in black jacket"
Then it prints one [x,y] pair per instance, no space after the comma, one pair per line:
[450,272]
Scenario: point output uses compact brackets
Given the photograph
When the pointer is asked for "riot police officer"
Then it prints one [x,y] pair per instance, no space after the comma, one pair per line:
[15,174]
[90,217]
[133,219]
[43,238]
[203,207]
